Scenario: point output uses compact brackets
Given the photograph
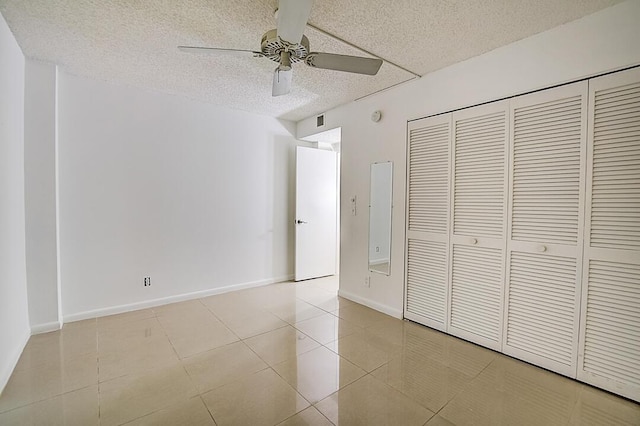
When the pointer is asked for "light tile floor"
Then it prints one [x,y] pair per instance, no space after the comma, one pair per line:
[288,354]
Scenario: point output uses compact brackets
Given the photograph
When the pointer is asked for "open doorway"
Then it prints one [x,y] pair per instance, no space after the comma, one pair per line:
[327,144]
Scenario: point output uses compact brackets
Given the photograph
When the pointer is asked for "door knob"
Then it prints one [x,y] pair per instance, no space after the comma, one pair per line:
[300,222]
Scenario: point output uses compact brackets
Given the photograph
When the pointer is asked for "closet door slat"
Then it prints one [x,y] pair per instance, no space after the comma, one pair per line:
[548,309]
[479,175]
[624,164]
[612,336]
[610,332]
[426,295]
[476,298]
[479,184]
[427,279]
[429,177]
[534,170]
[544,266]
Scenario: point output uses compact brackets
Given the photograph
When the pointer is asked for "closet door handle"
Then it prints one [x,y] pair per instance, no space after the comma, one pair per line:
[541,248]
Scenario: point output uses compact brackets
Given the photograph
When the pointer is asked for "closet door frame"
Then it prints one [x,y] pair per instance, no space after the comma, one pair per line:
[546,248]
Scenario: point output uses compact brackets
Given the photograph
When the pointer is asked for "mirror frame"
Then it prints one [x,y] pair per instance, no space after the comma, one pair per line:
[380,266]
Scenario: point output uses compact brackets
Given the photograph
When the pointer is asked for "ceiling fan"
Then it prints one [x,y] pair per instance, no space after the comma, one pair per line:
[287,44]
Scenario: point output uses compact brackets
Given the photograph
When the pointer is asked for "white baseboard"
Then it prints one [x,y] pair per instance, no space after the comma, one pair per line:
[112,310]
[45,328]
[386,309]
[7,371]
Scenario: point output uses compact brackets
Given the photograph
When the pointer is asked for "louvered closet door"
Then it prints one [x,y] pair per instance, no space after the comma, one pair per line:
[478,229]
[609,354]
[426,295]
[546,198]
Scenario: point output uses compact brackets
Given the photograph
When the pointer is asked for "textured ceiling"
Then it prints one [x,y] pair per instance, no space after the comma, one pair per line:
[133,42]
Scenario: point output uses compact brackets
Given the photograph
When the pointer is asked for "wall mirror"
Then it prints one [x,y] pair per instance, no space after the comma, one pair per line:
[380,207]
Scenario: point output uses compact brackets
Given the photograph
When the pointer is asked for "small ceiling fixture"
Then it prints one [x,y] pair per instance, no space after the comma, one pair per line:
[287,44]
[376,116]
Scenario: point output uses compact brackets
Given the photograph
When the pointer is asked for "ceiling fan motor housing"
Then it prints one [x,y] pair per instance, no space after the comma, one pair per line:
[272,47]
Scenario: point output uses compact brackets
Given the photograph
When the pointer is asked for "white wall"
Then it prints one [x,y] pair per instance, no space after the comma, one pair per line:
[14,315]
[40,194]
[196,196]
[602,42]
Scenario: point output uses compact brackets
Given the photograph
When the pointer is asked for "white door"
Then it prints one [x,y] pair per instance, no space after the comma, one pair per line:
[316,213]
[608,354]
[426,297]
[544,254]
[478,225]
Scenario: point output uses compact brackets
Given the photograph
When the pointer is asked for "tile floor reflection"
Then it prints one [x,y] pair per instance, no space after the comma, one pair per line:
[285,354]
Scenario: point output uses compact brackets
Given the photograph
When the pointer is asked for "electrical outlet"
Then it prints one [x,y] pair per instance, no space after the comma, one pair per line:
[377,249]
[367,281]
[147,281]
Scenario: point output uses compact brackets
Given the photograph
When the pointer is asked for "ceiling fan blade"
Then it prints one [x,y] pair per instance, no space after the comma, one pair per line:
[218,51]
[281,82]
[292,19]
[355,64]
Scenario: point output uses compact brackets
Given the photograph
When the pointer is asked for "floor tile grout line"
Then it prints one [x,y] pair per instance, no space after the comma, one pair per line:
[295,390]
[304,409]
[391,338]
[209,350]
[31,368]
[575,405]
[163,367]
[208,409]
[166,335]
[241,338]
[340,389]
[201,393]
[463,388]
[46,399]
[405,394]
[164,330]
[409,396]
[279,375]
[399,391]
[126,422]
[295,329]
[255,353]
[198,353]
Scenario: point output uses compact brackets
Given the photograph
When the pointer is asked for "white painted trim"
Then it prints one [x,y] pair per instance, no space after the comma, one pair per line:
[385,309]
[57,194]
[13,362]
[112,310]
[46,327]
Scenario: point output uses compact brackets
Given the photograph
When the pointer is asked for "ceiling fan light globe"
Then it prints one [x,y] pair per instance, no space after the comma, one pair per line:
[281,82]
